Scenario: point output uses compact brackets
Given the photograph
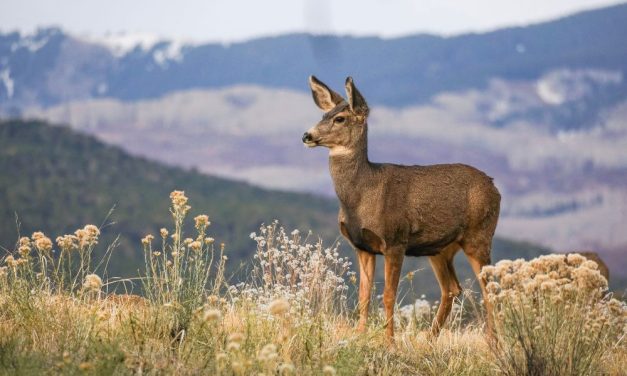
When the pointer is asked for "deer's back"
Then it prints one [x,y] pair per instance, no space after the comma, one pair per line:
[432,206]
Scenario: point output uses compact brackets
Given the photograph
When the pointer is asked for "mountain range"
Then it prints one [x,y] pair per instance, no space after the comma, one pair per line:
[541,108]
[51,67]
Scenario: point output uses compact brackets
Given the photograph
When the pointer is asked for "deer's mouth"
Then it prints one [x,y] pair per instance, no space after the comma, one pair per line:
[312,143]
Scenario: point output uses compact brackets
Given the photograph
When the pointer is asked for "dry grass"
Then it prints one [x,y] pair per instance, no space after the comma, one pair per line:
[291,317]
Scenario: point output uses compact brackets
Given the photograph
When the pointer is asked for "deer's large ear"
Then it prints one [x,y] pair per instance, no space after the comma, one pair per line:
[324,97]
[356,101]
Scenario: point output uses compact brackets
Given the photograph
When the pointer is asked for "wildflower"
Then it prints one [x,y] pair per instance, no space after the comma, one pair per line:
[237,367]
[67,242]
[575,259]
[147,239]
[209,240]
[492,287]
[24,240]
[92,231]
[156,253]
[267,353]
[196,246]
[488,271]
[221,359]
[328,371]
[179,201]
[212,315]
[590,265]
[10,261]
[43,243]
[188,241]
[410,276]
[548,286]
[232,347]
[279,307]
[236,337]
[286,369]
[3,271]
[202,221]
[92,282]
[37,235]
[212,299]
[87,236]
[163,232]
[24,250]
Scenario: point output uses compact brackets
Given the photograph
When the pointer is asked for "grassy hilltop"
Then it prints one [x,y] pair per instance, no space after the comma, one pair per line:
[290,316]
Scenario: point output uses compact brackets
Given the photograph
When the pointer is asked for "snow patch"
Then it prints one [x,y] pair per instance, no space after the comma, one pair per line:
[121,44]
[33,42]
[9,84]
[163,50]
[171,51]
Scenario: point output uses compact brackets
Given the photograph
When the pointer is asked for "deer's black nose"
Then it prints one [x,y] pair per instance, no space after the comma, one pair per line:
[306,137]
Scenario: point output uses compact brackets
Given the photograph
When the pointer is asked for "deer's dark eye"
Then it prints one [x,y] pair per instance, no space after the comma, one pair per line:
[339,119]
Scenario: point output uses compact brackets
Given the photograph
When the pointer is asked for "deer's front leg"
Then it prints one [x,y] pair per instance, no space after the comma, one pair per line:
[367,262]
[393,264]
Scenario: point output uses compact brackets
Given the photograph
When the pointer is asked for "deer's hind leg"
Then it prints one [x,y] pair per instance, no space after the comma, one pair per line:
[478,254]
[442,265]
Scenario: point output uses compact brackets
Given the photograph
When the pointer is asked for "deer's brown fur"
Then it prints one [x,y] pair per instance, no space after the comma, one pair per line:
[397,211]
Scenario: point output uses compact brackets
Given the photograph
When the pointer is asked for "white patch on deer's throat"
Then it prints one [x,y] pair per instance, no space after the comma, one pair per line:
[340,150]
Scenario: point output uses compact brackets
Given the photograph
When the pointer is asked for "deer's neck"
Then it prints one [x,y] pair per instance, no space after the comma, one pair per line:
[351,171]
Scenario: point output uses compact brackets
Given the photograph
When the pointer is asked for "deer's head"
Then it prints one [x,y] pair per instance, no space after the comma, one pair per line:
[343,125]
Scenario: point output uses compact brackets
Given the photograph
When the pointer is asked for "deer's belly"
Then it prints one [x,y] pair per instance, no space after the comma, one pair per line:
[430,244]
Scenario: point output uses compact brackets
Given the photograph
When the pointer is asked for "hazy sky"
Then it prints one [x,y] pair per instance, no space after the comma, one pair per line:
[231,20]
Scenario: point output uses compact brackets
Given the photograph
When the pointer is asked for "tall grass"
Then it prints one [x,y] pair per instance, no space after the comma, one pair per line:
[181,272]
[293,315]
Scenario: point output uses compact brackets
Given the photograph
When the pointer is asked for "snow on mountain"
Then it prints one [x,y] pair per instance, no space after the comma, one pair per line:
[122,43]
[35,40]
[163,50]
[5,77]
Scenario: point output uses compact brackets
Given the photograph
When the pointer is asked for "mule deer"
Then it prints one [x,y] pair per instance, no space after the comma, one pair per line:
[399,211]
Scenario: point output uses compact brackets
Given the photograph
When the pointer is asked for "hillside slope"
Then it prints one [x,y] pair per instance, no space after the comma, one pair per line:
[57,180]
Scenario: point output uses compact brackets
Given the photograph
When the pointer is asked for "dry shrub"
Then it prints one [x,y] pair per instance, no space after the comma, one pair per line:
[553,316]
[312,277]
